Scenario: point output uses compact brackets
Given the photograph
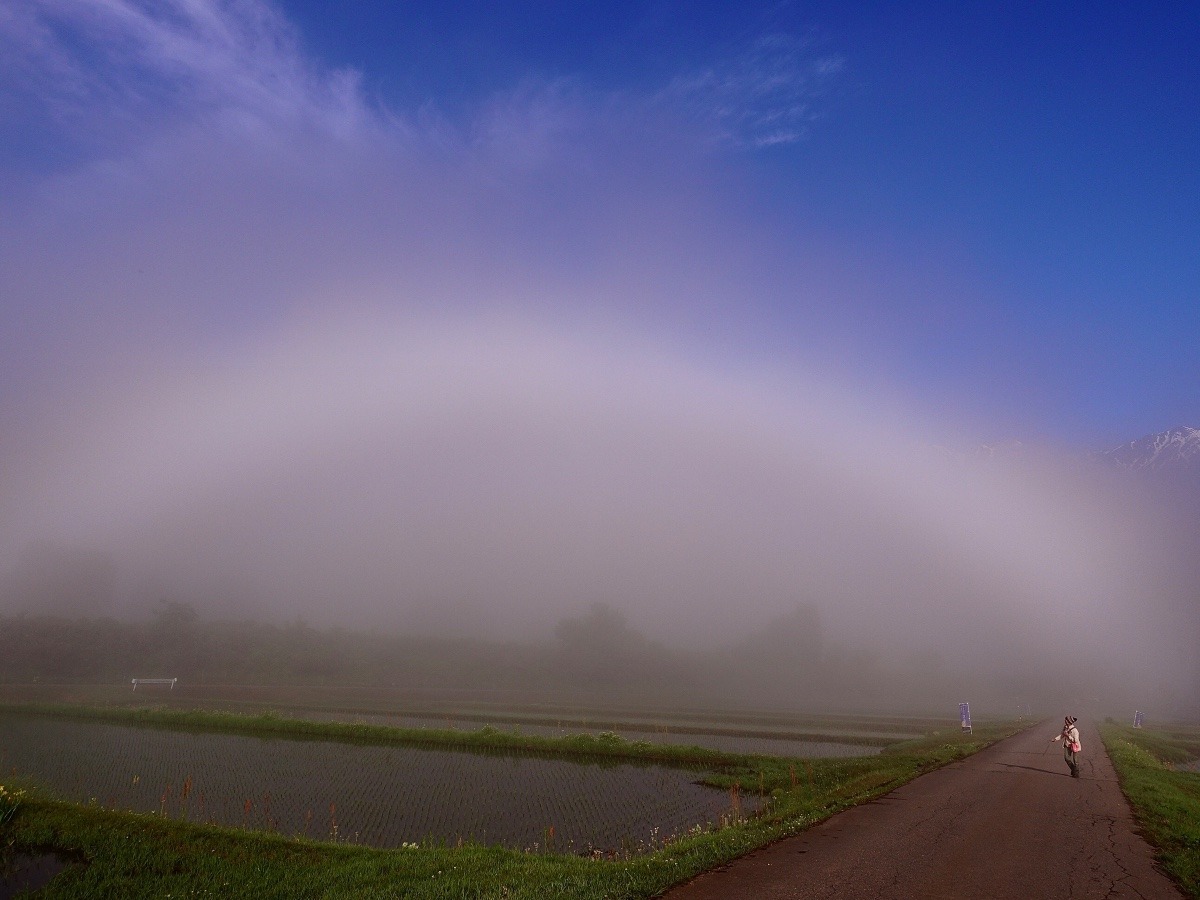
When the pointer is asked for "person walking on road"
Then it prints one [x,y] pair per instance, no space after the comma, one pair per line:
[1071,747]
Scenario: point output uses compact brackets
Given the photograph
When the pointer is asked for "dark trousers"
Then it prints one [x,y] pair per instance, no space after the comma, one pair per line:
[1072,758]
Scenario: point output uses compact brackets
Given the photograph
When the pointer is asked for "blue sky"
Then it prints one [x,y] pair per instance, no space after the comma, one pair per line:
[1050,158]
[461,317]
[991,211]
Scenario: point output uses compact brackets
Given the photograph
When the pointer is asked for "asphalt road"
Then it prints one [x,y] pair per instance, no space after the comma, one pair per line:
[1008,822]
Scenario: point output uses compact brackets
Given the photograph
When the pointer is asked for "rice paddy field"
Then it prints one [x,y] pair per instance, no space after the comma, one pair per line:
[378,796]
[745,732]
[389,796]
[714,736]
[289,792]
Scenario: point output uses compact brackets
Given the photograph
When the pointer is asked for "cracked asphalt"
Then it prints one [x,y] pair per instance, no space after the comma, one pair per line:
[1008,822]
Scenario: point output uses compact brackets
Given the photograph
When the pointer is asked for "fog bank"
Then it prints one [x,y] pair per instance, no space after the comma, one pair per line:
[275,350]
[492,478]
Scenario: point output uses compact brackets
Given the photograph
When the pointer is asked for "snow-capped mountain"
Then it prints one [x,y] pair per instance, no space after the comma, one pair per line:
[1168,453]
[1003,450]
[1177,450]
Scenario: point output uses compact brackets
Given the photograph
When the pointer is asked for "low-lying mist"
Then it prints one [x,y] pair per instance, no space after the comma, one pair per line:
[277,352]
[491,479]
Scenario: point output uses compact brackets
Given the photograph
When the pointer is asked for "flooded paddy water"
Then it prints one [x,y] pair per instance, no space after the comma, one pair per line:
[379,796]
[753,732]
[760,732]
[24,872]
[768,743]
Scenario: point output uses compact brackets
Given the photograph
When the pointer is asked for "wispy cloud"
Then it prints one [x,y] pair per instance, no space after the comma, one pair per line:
[96,67]
[766,95]
[98,73]
[366,374]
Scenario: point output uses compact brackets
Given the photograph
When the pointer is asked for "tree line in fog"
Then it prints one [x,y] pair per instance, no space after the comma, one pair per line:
[596,653]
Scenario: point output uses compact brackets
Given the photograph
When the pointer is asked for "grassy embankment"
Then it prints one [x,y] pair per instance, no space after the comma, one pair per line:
[296,725]
[1166,802]
[132,855]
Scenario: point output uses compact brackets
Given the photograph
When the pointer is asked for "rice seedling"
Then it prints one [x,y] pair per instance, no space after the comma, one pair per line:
[10,802]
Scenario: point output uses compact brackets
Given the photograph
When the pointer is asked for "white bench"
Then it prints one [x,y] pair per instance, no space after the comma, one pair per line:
[170,681]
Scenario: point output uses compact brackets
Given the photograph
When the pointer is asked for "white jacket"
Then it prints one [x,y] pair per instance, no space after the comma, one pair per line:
[1071,734]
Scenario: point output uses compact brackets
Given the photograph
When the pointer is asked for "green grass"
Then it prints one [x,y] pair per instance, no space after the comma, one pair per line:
[132,855]
[1165,802]
[605,744]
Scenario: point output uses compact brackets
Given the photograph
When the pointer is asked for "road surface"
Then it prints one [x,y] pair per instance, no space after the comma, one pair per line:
[1008,822]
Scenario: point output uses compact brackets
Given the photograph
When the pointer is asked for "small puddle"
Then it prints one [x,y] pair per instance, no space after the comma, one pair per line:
[20,872]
